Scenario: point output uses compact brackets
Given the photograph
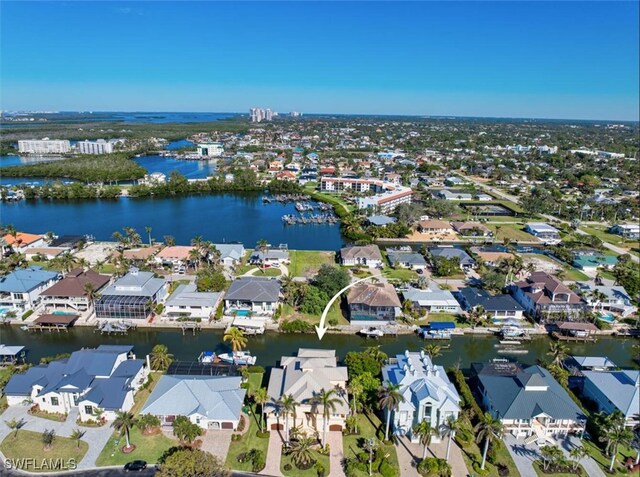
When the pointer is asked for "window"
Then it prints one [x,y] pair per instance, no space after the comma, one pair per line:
[88,410]
[54,401]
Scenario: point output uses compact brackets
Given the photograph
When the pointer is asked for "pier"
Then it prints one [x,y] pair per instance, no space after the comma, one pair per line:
[192,326]
[115,327]
[52,323]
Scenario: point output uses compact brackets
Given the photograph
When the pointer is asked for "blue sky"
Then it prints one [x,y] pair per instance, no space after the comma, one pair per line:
[517,59]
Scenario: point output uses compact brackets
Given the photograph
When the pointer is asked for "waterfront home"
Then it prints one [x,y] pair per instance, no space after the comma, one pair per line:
[96,382]
[432,299]
[187,302]
[381,220]
[252,296]
[577,364]
[471,229]
[406,259]
[21,289]
[22,241]
[428,394]
[464,259]
[544,232]
[491,259]
[614,390]
[460,195]
[604,297]
[69,242]
[543,295]
[133,296]
[373,303]
[434,227]
[589,262]
[454,181]
[231,254]
[367,255]
[529,402]
[304,377]
[628,231]
[12,354]
[272,257]
[69,293]
[142,254]
[175,255]
[497,307]
[211,402]
[46,253]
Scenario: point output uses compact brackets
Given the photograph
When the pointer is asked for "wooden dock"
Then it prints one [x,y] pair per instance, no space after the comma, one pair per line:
[192,326]
[574,339]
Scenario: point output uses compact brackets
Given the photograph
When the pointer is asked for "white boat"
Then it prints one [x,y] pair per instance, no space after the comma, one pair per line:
[24,328]
[511,331]
[371,332]
[207,357]
[240,357]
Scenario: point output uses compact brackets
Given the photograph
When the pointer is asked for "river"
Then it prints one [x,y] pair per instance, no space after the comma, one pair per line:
[271,346]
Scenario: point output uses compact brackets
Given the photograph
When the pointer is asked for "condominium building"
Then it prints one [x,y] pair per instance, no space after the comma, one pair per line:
[95,147]
[388,196]
[44,146]
[261,114]
[210,149]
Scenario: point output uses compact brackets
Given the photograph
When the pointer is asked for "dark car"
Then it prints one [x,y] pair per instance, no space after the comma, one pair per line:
[135,466]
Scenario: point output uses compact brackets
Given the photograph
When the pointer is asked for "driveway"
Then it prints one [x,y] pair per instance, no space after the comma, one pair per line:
[410,454]
[334,440]
[217,443]
[274,455]
[96,437]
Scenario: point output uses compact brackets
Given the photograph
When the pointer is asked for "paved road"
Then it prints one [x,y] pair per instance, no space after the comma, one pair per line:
[100,473]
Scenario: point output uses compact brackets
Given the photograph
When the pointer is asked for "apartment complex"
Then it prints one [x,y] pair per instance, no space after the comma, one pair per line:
[44,146]
[210,149]
[387,196]
[95,147]
[260,114]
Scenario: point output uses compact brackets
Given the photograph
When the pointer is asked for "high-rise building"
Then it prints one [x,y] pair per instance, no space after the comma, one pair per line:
[268,115]
[261,114]
[295,114]
[44,146]
[95,147]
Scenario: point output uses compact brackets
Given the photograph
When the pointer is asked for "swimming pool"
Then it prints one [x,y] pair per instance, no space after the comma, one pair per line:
[608,318]
[242,313]
[63,313]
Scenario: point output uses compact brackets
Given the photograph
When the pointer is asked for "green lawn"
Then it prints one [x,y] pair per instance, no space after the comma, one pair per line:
[367,427]
[538,468]
[602,234]
[148,448]
[511,231]
[306,263]
[623,454]
[334,315]
[248,441]
[341,206]
[312,472]
[174,285]
[401,274]
[255,382]
[28,445]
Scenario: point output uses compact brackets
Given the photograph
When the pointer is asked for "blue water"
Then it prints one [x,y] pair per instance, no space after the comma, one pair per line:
[178,144]
[127,117]
[188,168]
[219,218]
[63,313]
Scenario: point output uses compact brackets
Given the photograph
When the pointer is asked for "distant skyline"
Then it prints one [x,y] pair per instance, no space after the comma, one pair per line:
[553,60]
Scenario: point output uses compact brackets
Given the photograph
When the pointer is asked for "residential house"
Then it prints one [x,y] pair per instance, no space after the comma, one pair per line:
[497,307]
[428,394]
[133,296]
[406,259]
[142,254]
[381,220]
[367,255]
[628,231]
[605,297]
[187,302]
[432,299]
[464,259]
[100,381]
[543,295]
[21,241]
[21,289]
[373,303]
[47,253]
[304,377]
[211,402]
[69,293]
[577,364]
[252,296]
[471,229]
[615,390]
[174,255]
[454,181]
[544,232]
[69,242]
[231,254]
[271,257]
[461,195]
[528,401]
[434,227]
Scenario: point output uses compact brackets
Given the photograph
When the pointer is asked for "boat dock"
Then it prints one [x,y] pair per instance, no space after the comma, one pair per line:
[51,323]
[192,326]
[115,327]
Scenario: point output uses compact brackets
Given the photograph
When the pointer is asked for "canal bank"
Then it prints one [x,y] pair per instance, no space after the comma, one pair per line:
[462,350]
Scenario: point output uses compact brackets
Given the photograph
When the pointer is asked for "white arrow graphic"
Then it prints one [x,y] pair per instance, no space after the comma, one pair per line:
[321,329]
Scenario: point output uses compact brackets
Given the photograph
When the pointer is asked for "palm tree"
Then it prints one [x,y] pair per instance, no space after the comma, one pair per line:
[300,452]
[235,336]
[449,429]
[550,454]
[263,247]
[558,352]
[355,388]
[432,350]
[288,404]
[389,398]
[194,257]
[615,433]
[329,400]
[375,352]
[169,240]
[487,430]
[67,261]
[598,298]
[91,293]
[148,230]
[577,454]
[123,423]
[15,425]
[76,435]
[425,432]
[476,315]
[160,358]
[147,421]
[48,436]
[261,397]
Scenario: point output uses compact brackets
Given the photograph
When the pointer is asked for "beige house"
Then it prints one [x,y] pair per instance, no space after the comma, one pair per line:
[434,227]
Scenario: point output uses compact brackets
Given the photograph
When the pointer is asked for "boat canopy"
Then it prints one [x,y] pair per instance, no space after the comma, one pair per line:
[440,325]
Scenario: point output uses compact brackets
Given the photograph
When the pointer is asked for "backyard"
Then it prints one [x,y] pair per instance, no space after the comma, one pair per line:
[306,263]
[28,444]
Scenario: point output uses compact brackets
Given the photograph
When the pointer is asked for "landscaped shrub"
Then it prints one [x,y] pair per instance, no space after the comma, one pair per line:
[296,326]
[492,453]
[27,314]
[236,437]
[241,424]
[305,466]
[503,470]
[320,470]
[287,467]
[434,467]
[464,437]
[263,435]
[255,369]
[258,460]
[468,401]
[479,471]
[386,470]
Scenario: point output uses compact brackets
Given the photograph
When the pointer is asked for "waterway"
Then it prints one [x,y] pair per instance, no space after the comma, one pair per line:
[219,218]
[269,348]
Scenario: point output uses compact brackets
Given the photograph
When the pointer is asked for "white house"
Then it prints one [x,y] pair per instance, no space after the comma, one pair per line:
[187,301]
[628,231]
[544,232]
[428,393]
[20,290]
[368,255]
[252,296]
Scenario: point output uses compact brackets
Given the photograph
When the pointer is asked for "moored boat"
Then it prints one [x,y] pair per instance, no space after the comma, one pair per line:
[371,332]
[240,357]
[207,357]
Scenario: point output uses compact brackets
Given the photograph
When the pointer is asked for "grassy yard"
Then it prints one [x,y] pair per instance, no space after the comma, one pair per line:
[341,206]
[176,284]
[602,234]
[538,468]
[367,427]
[334,315]
[401,274]
[306,263]
[148,448]
[248,442]
[312,472]
[511,231]
[623,454]
[28,445]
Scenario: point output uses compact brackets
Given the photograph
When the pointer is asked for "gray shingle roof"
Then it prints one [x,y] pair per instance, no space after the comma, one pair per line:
[452,252]
[254,289]
[620,387]
[478,297]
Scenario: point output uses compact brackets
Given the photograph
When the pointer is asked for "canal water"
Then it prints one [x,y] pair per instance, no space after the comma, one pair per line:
[218,218]
[269,348]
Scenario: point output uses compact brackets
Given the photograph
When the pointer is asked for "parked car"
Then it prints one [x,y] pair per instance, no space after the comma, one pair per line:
[135,466]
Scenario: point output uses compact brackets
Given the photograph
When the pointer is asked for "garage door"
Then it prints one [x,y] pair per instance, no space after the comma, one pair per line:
[335,427]
[227,425]
[277,427]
